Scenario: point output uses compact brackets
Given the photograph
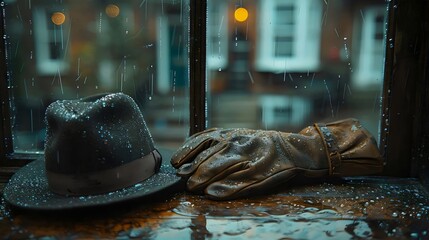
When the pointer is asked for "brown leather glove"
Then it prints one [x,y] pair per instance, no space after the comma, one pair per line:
[231,163]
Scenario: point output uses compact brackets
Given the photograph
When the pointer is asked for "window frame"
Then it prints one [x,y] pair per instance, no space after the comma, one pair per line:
[404,123]
[402,156]
[9,161]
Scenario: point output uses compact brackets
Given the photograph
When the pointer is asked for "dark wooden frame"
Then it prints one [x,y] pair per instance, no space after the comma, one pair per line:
[404,122]
[9,161]
[405,128]
[197,66]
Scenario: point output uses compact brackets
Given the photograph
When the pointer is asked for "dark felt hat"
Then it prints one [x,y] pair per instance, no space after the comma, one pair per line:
[98,151]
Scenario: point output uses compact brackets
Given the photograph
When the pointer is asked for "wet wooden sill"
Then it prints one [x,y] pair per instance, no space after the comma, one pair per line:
[351,208]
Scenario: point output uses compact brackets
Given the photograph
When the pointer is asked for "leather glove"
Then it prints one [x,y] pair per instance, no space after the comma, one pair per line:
[232,163]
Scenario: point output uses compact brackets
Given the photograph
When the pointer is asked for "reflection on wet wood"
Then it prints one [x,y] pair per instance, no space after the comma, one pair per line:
[353,208]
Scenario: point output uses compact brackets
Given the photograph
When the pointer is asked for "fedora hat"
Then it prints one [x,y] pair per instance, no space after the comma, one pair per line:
[98,151]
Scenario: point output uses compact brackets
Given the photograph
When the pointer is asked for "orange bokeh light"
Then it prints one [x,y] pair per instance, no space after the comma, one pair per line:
[58,18]
[241,14]
[112,10]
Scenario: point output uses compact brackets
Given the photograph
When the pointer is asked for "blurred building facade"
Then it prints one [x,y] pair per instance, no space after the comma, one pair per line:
[292,63]
[288,64]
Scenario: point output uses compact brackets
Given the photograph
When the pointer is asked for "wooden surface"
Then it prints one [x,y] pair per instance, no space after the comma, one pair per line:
[381,208]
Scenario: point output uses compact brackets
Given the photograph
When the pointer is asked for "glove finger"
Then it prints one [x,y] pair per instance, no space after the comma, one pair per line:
[192,147]
[198,142]
[227,159]
[198,182]
[190,167]
[240,185]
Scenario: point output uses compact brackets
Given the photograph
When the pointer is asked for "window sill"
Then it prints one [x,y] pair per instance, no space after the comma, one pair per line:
[377,207]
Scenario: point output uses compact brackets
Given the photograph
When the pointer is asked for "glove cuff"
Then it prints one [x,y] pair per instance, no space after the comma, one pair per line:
[331,149]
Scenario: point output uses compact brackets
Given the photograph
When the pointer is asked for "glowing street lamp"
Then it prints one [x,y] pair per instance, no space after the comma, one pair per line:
[112,10]
[241,14]
[58,18]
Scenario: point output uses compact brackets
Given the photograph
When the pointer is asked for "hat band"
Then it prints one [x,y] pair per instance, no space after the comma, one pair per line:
[106,180]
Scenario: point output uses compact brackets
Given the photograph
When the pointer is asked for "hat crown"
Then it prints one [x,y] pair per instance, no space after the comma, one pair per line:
[94,134]
[98,151]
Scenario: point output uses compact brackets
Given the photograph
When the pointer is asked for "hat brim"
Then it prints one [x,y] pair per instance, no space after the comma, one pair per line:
[28,189]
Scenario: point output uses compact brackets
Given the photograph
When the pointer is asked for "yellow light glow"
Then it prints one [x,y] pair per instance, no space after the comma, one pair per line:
[241,14]
[112,10]
[58,18]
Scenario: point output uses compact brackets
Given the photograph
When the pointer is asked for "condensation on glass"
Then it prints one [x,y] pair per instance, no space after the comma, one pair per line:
[71,49]
[292,63]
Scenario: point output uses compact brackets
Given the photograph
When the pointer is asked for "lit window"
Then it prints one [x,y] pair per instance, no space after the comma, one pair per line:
[369,64]
[289,33]
[278,110]
[51,33]
[217,35]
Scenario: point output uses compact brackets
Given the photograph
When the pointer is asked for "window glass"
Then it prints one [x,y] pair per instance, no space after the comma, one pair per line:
[71,49]
[291,63]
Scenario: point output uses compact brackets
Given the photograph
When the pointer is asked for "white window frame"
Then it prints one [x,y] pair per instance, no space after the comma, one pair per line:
[369,66]
[163,56]
[307,35]
[217,27]
[44,63]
